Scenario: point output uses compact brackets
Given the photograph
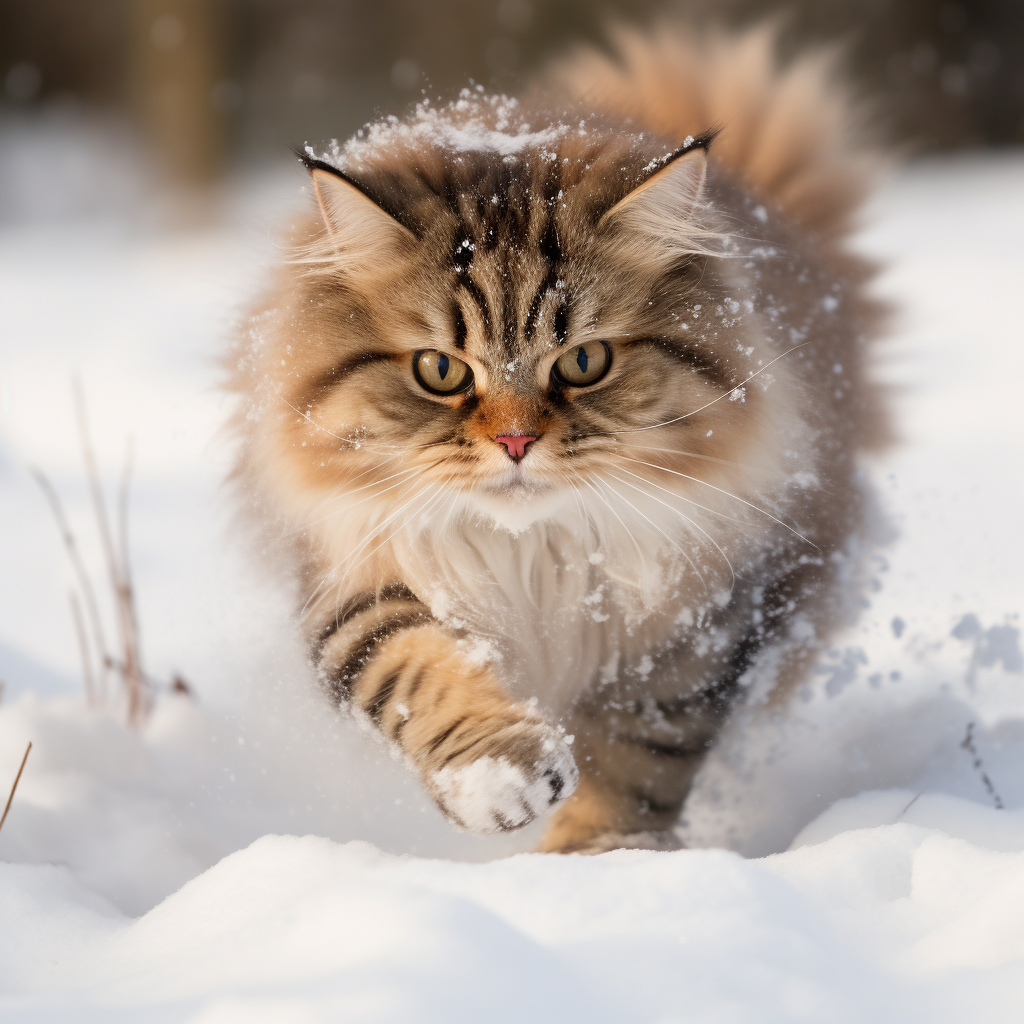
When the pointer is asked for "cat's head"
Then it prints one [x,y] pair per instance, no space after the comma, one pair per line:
[520,313]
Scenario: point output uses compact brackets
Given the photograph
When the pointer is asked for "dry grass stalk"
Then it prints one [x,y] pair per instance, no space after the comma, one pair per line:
[130,667]
[83,649]
[17,779]
[979,767]
[84,582]
[138,686]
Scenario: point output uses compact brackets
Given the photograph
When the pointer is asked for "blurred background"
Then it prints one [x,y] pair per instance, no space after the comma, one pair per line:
[201,87]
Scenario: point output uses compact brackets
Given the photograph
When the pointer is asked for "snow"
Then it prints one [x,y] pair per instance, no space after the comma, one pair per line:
[463,126]
[252,856]
[891,922]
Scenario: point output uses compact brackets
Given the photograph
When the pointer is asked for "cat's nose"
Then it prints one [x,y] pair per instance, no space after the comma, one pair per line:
[516,444]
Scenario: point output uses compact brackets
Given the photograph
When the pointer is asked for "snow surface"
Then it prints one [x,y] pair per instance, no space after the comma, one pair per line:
[864,873]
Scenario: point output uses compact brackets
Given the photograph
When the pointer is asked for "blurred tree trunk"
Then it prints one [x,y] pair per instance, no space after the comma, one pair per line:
[175,61]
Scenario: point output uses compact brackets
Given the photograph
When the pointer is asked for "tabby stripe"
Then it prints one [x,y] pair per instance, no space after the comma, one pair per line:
[441,737]
[659,749]
[642,798]
[459,328]
[400,725]
[459,751]
[357,605]
[552,253]
[324,383]
[410,691]
[719,696]
[531,317]
[480,299]
[415,685]
[380,699]
[691,357]
[509,318]
[562,324]
[363,651]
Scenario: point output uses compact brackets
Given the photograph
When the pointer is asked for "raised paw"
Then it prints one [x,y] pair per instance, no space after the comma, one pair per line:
[506,778]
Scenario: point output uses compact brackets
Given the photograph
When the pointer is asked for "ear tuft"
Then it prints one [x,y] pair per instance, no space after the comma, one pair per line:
[359,227]
[672,191]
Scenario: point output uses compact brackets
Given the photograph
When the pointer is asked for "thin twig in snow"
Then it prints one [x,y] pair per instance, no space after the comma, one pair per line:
[122,520]
[17,779]
[83,649]
[907,808]
[131,666]
[968,745]
[91,607]
[139,686]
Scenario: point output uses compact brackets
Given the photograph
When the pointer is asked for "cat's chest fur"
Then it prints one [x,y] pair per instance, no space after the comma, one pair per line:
[576,599]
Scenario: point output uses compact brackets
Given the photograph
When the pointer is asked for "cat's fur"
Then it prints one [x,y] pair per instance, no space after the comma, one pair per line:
[590,612]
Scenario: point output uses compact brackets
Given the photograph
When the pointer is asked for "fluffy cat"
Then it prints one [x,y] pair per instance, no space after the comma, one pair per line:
[557,405]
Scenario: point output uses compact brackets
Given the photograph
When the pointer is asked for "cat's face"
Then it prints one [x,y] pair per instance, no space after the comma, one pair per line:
[519,327]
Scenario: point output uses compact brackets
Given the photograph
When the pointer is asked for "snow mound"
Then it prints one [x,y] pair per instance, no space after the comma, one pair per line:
[891,923]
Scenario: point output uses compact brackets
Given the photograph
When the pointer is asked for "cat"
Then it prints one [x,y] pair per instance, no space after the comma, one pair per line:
[556,407]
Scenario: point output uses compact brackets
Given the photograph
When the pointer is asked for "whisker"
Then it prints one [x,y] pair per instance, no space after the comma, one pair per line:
[583,508]
[309,419]
[358,445]
[692,455]
[660,530]
[678,512]
[725,394]
[376,530]
[437,493]
[452,501]
[380,526]
[681,497]
[438,490]
[405,473]
[349,569]
[629,533]
[728,494]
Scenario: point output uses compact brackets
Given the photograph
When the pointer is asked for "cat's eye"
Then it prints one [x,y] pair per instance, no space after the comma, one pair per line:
[439,373]
[585,364]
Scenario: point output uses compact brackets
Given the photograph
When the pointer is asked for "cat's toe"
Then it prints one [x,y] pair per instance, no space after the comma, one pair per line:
[519,777]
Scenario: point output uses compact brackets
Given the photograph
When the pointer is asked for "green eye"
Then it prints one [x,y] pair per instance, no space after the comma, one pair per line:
[439,373]
[585,364]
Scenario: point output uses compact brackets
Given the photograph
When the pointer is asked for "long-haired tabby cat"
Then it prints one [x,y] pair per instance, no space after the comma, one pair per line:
[557,405]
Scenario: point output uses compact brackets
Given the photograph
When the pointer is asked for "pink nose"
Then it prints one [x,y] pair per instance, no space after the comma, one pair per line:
[516,444]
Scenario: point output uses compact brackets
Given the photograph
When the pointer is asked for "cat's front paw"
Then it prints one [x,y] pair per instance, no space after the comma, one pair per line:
[507,780]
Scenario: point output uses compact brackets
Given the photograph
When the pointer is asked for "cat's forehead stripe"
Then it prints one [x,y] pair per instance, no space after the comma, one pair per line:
[459,328]
[473,290]
[498,238]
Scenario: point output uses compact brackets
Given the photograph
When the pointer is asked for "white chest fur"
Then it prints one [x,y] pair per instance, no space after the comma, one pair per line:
[576,597]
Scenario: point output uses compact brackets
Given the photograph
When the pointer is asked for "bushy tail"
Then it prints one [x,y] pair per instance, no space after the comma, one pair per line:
[790,133]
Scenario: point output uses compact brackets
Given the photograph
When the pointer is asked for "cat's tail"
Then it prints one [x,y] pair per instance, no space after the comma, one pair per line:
[790,132]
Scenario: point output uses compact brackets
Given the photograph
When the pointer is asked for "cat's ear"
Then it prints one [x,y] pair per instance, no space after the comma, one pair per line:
[670,194]
[357,221]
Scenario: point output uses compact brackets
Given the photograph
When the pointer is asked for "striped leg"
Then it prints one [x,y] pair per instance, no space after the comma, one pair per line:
[641,742]
[490,764]
[638,759]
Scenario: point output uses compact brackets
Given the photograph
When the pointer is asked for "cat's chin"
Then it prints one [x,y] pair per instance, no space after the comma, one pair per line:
[517,505]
